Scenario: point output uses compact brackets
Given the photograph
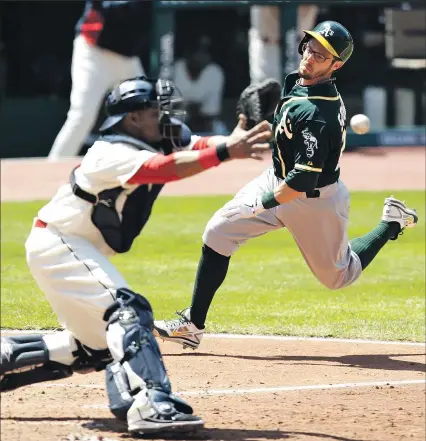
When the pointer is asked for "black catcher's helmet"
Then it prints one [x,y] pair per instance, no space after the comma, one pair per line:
[334,37]
[143,93]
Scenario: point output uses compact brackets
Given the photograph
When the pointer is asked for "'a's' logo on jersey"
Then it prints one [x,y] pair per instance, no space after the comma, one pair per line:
[310,142]
[327,31]
[285,125]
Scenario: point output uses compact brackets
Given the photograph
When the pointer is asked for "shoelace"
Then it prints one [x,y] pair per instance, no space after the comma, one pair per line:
[178,321]
[389,204]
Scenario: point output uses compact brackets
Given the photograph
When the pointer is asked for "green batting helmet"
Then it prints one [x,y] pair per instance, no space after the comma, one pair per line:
[334,37]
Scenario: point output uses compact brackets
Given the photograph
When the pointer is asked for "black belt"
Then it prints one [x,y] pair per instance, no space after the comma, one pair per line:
[313,194]
[316,193]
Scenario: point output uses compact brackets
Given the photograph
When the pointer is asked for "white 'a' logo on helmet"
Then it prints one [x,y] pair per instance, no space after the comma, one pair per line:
[327,31]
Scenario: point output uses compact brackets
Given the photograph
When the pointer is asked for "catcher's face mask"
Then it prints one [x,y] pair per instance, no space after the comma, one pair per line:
[156,106]
[172,109]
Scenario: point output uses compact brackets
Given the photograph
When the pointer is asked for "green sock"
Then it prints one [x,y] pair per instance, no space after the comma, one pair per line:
[369,245]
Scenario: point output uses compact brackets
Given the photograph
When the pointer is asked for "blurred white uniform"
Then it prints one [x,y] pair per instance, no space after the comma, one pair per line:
[207,89]
[109,39]
[266,39]
[94,71]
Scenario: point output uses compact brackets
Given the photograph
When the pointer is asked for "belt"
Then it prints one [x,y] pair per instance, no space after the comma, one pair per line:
[313,194]
[40,224]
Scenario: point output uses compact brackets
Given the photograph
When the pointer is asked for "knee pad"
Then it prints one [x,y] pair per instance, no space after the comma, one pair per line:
[137,357]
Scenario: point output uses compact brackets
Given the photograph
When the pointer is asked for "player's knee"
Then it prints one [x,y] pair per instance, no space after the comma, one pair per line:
[128,318]
[137,358]
[215,238]
[332,281]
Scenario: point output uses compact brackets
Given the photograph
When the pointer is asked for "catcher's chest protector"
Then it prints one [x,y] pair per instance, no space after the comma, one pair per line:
[120,234]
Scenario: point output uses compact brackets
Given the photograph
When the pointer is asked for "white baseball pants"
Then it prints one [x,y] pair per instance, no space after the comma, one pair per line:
[94,71]
[79,282]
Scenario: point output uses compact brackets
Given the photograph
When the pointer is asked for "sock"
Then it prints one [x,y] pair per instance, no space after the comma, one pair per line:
[369,245]
[211,273]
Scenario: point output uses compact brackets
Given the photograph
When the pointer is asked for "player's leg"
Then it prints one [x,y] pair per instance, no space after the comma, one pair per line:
[83,289]
[90,73]
[79,283]
[320,228]
[131,67]
[396,217]
[35,358]
[221,238]
[138,387]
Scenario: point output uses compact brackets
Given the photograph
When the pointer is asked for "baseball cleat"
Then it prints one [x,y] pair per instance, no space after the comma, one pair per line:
[154,412]
[180,330]
[395,210]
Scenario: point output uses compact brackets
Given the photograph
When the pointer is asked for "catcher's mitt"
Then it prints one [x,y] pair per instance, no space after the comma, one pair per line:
[258,101]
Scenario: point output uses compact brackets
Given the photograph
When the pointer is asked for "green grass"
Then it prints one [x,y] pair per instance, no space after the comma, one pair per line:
[269,288]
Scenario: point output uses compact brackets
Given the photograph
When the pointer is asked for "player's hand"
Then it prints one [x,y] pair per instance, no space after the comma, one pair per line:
[242,208]
[251,143]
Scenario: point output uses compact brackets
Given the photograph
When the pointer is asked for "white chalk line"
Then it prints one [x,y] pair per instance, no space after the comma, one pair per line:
[263,337]
[321,339]
[266,390]
[256,390]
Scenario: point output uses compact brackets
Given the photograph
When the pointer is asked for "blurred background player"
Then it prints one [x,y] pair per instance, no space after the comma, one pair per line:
[201,82]
[109,37]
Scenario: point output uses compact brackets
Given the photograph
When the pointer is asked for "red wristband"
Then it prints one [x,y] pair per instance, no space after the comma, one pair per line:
[208,158]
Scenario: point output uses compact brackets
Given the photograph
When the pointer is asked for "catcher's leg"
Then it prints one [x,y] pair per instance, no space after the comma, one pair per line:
[137,383]
[34,358]
[25,360]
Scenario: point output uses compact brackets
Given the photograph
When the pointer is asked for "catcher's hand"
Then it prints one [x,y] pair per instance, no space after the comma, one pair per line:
[258,101]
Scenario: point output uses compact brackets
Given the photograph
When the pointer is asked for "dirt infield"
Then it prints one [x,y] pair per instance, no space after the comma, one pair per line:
[246,388]
[369,169]
[260,389]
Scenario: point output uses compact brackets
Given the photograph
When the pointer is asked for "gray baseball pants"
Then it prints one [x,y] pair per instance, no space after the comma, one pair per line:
[318,225]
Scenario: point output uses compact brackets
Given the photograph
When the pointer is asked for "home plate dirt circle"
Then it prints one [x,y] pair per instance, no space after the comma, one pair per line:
[246,388]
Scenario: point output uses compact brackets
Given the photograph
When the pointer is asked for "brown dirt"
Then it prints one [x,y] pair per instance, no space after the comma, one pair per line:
[369,169]
[371,413]
[74,411]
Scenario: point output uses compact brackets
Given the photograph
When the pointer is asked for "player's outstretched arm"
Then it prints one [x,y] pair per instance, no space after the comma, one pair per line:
[241,144]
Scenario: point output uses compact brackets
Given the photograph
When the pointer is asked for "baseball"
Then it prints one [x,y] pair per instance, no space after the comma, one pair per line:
[360,123]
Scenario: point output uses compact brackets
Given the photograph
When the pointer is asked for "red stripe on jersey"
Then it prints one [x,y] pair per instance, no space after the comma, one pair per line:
[158,169]
[92,26]
[201,144]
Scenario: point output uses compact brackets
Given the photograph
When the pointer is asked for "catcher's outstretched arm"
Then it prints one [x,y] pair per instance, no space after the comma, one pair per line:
[160,169]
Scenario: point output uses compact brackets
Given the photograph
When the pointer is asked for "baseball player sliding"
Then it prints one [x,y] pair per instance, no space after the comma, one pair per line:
[301,192]
[100,212]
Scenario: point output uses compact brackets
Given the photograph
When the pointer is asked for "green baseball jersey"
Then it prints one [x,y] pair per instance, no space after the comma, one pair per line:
[309,134]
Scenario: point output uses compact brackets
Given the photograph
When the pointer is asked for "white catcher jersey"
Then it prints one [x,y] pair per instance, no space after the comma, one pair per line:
[104,166]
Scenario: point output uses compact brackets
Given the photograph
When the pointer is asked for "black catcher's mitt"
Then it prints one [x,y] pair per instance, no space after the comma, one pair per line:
[258,101]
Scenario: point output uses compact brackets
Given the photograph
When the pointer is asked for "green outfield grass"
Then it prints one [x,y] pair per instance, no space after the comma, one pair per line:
[269,288]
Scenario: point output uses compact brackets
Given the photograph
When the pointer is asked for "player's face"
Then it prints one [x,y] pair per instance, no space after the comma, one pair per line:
[146,123]
[316,62]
